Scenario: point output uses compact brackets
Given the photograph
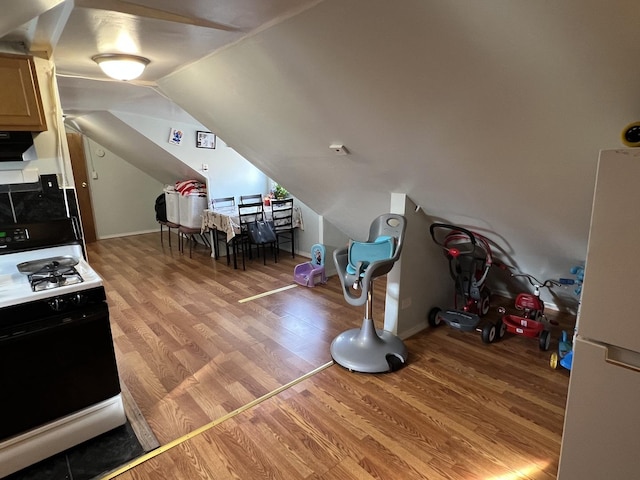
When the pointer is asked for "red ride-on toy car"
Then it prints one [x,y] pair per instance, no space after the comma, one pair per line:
[531,321]
[469,256]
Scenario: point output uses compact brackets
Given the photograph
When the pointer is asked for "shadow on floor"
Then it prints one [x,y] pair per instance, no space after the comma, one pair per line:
[89,460]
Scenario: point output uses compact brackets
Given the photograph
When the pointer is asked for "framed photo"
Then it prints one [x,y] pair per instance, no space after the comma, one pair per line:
[175,136]
[205,140]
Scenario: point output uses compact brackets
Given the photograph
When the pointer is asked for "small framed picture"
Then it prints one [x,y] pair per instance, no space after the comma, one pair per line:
[175,136]
[205,140]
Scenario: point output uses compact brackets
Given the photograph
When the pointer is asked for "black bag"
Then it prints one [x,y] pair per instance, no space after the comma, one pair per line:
[261,232]
[161,208]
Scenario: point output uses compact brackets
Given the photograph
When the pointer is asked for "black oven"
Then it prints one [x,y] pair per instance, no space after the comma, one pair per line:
[59,383]
[56,358]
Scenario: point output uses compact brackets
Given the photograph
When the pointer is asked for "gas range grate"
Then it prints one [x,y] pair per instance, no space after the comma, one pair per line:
[53,276]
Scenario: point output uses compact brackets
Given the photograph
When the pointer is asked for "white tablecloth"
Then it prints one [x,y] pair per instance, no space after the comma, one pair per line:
[227,219]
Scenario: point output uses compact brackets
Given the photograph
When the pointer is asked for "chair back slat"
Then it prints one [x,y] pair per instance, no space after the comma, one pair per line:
[224,202]
[282,214]
[250,212]
[253,198]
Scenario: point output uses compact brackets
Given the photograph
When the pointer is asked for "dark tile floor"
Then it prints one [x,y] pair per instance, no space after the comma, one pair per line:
[89,460]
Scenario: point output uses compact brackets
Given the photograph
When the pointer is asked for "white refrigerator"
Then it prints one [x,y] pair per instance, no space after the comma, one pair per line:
[601,437]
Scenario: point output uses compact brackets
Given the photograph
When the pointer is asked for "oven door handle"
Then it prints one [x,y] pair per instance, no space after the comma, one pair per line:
[76,228]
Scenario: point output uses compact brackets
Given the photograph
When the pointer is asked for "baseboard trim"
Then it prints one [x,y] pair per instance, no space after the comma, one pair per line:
[143,432]
[126,234]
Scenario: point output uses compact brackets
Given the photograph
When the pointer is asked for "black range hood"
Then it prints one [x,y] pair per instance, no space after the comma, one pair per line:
[16,146]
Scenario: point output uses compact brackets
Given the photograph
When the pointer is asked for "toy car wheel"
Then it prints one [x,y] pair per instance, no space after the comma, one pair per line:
[501,328]
[545,340]
[553,360]
[485,305]
[434,317]
[488,333]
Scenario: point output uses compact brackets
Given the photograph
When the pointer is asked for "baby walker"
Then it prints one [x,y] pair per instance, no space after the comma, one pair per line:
[469,256]
[531,322]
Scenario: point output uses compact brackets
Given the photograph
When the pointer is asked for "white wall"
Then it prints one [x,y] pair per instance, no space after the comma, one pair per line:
[333,238]
[228,173]
[123,197]
[310,234]
[420,281]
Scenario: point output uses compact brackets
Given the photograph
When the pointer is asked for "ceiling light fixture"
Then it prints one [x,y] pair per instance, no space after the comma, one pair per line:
[121,66]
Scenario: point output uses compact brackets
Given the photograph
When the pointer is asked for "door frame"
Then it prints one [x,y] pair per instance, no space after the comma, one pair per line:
[81,182]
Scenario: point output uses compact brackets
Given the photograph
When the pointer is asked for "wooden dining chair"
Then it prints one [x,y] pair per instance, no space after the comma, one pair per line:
[254,198]
[220,237]
[282,216]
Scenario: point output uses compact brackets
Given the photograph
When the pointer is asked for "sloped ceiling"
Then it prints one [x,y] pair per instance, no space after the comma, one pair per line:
[123,139]
[487,114]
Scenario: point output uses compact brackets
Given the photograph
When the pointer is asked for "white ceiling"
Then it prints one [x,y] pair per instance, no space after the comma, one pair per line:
[170,34]
[488,114]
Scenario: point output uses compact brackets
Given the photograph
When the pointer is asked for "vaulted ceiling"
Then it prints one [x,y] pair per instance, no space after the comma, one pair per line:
[487,114]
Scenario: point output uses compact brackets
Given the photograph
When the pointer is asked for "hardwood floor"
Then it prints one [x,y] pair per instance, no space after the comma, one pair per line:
[193,356]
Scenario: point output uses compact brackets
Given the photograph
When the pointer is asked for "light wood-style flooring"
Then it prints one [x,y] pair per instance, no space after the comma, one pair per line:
[196,351]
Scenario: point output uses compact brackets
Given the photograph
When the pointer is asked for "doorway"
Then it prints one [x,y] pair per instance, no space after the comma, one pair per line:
[81,182]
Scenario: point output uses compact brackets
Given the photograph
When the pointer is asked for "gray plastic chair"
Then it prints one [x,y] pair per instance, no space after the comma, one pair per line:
[366,349]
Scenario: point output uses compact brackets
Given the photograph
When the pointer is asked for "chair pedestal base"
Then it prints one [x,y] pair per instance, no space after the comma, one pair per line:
[367,350]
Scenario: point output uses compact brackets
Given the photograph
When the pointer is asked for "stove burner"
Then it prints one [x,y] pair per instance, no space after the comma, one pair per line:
[53,275]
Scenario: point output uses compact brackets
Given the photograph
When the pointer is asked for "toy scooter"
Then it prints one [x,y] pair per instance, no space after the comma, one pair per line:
[564,355]
[469,256]
[531,322]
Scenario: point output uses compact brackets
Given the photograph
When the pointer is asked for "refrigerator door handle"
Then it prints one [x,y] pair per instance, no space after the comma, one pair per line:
[621,357]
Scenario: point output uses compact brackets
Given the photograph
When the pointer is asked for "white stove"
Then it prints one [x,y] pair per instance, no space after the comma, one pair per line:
[55,343]
[15,286]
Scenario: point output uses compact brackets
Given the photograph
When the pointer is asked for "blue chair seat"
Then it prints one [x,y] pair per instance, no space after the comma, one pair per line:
[362,254]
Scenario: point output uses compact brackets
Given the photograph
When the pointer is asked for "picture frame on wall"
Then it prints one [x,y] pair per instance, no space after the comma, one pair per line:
[175,136]
[205,139]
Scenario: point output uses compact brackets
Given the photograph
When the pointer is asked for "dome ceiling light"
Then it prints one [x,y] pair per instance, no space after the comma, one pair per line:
[121,66]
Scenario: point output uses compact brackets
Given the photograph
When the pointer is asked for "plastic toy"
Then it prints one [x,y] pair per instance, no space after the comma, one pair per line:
[531,321]
[310,273]
[469,256]
[564,355]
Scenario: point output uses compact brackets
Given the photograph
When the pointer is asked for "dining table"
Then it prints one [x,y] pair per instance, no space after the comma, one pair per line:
[227,219]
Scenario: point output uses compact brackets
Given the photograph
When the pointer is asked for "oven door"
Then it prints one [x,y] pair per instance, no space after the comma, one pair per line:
[54,367]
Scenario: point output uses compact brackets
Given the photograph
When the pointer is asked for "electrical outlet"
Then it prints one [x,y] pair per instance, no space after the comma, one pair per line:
[205,167]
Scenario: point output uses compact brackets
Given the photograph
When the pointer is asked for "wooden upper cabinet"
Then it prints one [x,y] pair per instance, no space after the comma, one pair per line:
[20,101]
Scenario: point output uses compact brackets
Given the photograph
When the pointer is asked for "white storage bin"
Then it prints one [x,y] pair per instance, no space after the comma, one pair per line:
[191,208]
[173,208]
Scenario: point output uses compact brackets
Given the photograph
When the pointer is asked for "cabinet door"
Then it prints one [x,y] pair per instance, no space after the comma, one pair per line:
[20,102]
[602,421]
[607,311]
